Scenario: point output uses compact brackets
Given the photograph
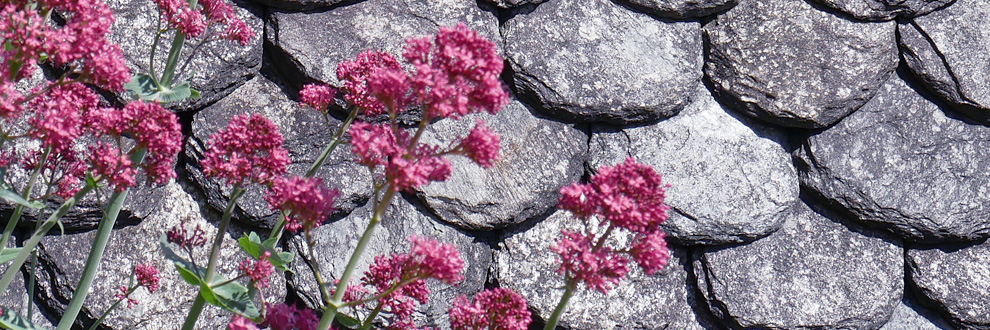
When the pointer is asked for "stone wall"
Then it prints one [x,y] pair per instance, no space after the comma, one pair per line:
[826,158]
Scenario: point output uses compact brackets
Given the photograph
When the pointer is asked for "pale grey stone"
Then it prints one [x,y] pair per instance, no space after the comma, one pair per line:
[310,44]
[300,4]
[955,280]
[16,297]
[903,163]
[947,51]
[62,259]
[813,273]
[537,157]
[911,315]
[513,3]
[595,61]
[883,10]
[681,9]
[306,133]
[335,242]
[790,64]
[524,263]
[217,69]
[730,177]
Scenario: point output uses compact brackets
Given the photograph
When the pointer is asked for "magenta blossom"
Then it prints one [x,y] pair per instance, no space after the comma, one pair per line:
[481,145]
[241,323]
[354,75]
[307,201]
[629,196]
[258,271]
[249,149]
[289,317]
[317,96]
[147,276]
[496,309]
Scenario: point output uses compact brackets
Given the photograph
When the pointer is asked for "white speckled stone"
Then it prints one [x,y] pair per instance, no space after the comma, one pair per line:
[955,279]
[883,10]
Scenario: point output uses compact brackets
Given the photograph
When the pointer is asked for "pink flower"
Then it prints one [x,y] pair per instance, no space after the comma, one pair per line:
[317,96]
[124,294]
[598,268]
[354,75]
[457,73]
[58,117]
[177,14]
[650,251]
[241,323]
[497,309]
[10,100]
[629,195]
[249,149]
[432,259]
[147,276]
[25,34]
[373,143]
[152,127]
[481,145]
[288,317]
[306,200]
[186,239]
[258,271]
[109,163]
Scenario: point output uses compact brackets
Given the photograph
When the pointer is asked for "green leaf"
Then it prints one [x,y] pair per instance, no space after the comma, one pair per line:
[10,320]
[13,197]
[194,94]
[189,272]
[144,87]
[253,246]
[233,297]
[348,321]
[9,254]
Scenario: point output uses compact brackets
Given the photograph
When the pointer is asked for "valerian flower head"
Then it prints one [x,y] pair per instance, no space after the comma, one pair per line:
[258,271]
[317,96]
[186,239]
[629,196]
[112,165]
[307,201]
[58,119]
[147,276]
[241,323]
[481,145]
[151,126]
[497,309]
[249,149]
[289,317]
[354,75]
[194,22]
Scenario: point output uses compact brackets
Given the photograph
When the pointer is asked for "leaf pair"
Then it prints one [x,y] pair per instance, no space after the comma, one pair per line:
[145,88]
[231,296]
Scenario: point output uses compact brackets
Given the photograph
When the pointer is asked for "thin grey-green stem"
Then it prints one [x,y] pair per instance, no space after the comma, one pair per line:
[334,142]
[371,317]
[198,305]
[19,209]
[32,242]
[330,313]
[173,54]
[562,305]
[154,51]
[324,292]
[92,267]
[112,307]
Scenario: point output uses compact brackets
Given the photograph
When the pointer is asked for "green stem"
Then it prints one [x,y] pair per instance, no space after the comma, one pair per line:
[29,246]
[197,306]
[173,53]
[96,252]
[16,216]
[371,317]
[334,142]
[154,51]
[324,292]
[557,312]
[330,313]
[112,307]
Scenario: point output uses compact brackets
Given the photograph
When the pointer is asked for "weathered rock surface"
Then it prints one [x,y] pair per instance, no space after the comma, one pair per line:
[16,297]
[513,3]
[947,51]
[336,241]
[788,63]
[596,61]
[680,9]
[299,4]
[538,156]
[905,164]
[217,69]
[882,10]
[955,280]
[730,177]
[813,273]
[370,24]
[305,131]
[62,259]
[911,315]
[525,264]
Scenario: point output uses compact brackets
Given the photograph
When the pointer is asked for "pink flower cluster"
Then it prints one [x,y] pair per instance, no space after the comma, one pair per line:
[79,43]
[496,309]
[406,275]
[186,239]
[152,127]
[241,323]
[194,22]
[258,271]
[307,201]
[147,276]
[454,73]
[317,96]
[627,196]
[289,317]
[248,150]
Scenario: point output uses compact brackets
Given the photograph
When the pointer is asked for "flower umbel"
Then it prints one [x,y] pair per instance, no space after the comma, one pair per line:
[307,201]
[249,149]
[496,309]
